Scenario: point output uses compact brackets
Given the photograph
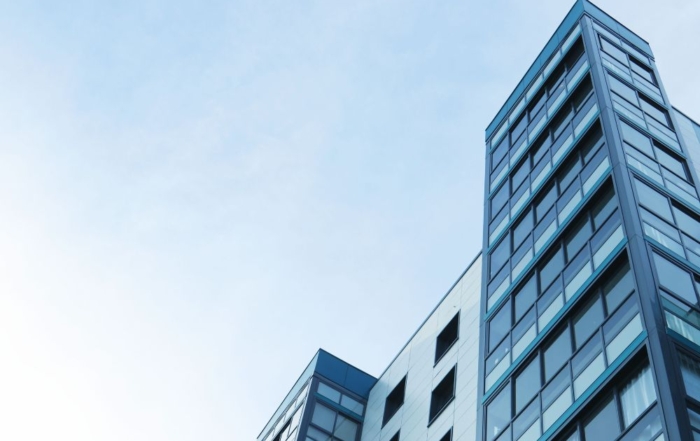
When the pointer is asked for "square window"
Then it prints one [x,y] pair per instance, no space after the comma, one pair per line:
[443,394]
[447,337]
[605,424]
[394,401]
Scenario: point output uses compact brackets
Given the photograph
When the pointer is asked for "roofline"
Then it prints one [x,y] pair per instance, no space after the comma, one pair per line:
[578,10]
[429,315]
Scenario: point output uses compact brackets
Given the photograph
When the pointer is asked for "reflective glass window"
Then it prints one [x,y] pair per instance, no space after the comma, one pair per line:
[499,326]
[498,414]
[637,396]
[588,320]
[613,51]
[653,200]
[619,286]
[527,384]
[577,237]
[552,268]
[323,417]
[690,369]
[622,89]
[604,425]
[557,353]
[545,202]
[675,278]
[636,138]
[345,429]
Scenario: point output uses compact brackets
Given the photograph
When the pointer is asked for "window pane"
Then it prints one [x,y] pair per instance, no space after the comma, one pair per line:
[523,228]
[558,352]
[527,384]
[345,429]
[352,405]
[588,320]
[525,297]
[499,256]
[552,268]
[521,173]
[642,71]
[637,396]
[613,51]
[329,392]
[603,207]
[577,238]
[671,163]
[499,326]
[690,369]
[618,287]
[687,223]
[545,203]
[622,89]
[569,171]
[605,425]
[499,200]
[654,111]
[653,200]
[675,279]
[323,417]
[636,138]
[317,435]
[498,414]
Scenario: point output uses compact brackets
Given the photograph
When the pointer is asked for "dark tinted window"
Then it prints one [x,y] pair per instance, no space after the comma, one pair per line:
[447,337]
[443,394]
[394,400]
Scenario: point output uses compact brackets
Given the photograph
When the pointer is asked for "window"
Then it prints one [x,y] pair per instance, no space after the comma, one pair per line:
[690,369]
[545,292]
[537,224]
[447,436]
[327,422]
[527,384]
[335,396]
[395,437]
[568,364]
[394,401]
[604,425]
[558,352]
[629,409]
[675,279]
[443,394]
[447,337]
[498,414]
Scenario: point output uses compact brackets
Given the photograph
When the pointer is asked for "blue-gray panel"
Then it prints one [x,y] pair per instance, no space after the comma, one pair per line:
[344,374]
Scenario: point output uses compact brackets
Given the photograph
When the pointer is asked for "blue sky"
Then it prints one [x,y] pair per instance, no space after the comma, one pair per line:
[196,197]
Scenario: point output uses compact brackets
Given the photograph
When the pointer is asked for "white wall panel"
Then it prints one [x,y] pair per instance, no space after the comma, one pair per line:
[417,362]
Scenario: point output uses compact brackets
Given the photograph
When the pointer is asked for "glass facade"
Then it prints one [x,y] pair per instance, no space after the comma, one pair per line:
[591,249]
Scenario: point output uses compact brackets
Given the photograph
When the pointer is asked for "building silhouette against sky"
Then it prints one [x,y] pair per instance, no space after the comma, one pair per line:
[580,318]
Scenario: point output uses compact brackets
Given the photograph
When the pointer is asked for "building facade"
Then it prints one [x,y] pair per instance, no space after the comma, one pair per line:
[580,319]
[589,329]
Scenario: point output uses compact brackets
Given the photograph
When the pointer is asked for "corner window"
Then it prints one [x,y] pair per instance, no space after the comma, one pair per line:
[394,401]
[447,337]
[332,424]
[443,394]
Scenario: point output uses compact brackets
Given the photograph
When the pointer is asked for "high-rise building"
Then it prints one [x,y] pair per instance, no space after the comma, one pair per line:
[592,262]
[580,320]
